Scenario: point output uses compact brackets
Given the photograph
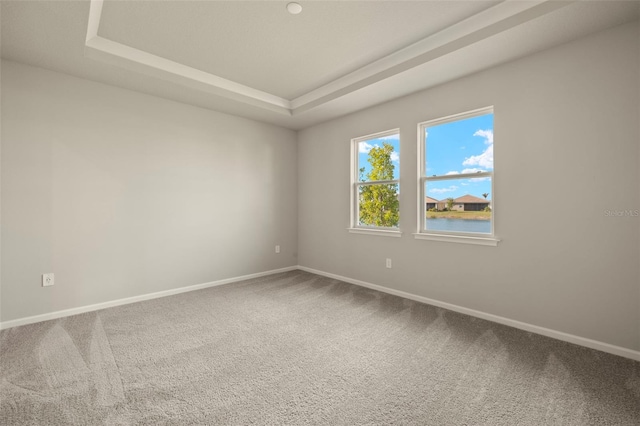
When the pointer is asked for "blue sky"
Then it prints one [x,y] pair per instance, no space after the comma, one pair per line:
[463,146]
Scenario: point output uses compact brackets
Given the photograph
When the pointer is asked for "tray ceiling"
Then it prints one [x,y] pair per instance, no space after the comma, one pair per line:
[261,45]
[254,59]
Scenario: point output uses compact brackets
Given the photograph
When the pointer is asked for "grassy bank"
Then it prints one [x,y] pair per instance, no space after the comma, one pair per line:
[459,215]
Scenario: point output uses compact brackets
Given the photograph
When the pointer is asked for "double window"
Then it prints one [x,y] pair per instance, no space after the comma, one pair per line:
[455,184]
[375,183]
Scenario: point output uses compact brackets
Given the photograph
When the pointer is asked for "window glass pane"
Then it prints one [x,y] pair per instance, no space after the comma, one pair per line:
[378,205]
[462,146]
[379,159]
[459,205]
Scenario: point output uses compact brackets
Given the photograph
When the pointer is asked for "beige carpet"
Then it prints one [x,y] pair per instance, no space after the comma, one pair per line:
[297,348]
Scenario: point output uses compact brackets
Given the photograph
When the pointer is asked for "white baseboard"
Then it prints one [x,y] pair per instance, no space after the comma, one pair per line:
[126,301]
[582,341]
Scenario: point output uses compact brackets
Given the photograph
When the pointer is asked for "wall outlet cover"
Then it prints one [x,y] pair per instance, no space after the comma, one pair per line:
[47,280]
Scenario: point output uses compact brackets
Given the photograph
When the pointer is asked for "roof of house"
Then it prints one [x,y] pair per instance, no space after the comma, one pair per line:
[471,199]
[431,200]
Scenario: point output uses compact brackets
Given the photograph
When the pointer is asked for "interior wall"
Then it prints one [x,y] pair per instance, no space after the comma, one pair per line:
[566,152]
[122,194]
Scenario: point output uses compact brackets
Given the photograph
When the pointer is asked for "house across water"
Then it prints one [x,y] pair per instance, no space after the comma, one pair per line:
[466,203]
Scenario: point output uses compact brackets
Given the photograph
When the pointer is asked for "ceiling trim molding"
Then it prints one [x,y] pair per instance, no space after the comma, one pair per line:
[136,60]
[501,17]
[95,13]
[487,23]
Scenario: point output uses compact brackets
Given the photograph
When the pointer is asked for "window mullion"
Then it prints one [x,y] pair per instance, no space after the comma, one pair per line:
[458,176]
[378,182]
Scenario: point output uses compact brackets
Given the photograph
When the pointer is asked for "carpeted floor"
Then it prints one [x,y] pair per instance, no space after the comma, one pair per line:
[296,348]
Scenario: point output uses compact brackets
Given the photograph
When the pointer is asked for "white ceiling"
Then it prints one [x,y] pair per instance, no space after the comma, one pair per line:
[254,59]
[259,44]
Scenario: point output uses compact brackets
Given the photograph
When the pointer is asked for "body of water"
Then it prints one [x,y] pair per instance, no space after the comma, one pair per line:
[459,225]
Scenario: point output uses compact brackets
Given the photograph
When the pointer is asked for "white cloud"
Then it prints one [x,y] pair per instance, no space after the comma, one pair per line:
[472,170]
[395,157]
[484,160]
[443,190]
[364,148]
[487,135]
[389,138]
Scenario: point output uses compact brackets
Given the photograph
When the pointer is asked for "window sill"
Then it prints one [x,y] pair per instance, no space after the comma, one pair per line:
[378,232]
[462,239]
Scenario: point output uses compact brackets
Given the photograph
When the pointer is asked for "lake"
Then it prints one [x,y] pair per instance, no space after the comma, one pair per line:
[459,225]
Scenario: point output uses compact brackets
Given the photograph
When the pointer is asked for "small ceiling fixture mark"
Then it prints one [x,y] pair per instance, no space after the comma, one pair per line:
[294,8]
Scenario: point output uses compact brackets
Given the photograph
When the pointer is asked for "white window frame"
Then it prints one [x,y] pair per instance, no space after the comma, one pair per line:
[452,237]
[355,227]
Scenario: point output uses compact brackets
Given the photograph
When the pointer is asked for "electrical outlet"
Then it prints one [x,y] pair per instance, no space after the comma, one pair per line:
[47,280]
[389,263]
[277,249]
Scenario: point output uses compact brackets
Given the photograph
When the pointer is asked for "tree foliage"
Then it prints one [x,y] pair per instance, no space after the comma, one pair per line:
[450,203]
[379,205]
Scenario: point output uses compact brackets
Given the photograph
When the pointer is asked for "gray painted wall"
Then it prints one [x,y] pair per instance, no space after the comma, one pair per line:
[122,194]
[566,134]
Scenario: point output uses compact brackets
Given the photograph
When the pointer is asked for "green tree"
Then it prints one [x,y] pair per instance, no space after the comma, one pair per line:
[379,205]
[450,203]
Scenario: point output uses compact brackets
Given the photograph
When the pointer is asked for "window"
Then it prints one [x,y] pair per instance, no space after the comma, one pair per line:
[375,185]
[456,178]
